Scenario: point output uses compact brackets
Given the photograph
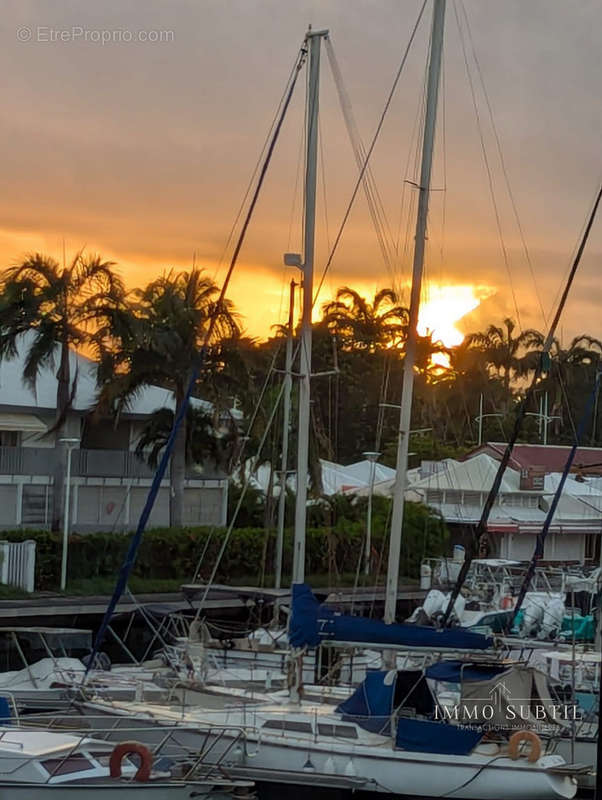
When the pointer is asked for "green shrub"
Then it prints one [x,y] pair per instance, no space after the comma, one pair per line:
[174,553]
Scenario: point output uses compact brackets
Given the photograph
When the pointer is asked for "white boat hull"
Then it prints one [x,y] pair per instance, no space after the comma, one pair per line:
[379,767]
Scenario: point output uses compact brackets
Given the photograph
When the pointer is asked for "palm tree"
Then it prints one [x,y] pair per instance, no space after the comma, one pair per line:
[158,343]
[505,352]
[62,306]
[570,373]
[211,439]
[363,325]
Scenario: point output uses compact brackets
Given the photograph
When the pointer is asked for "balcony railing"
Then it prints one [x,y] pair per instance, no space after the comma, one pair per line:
[84,463]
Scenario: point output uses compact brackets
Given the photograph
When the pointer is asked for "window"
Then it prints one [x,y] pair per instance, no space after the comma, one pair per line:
[9,438]
[288,725]
[340,731]
[66,766]
[36,501]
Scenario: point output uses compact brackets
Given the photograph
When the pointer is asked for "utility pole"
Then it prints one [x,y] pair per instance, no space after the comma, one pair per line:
[430,119]
[286,414]
[314,41]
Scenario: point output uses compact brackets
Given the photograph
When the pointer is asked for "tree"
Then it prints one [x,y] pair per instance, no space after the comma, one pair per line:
[63,306]
[363,325]
[570,377]
[504,351]
[158,342]
[211,439]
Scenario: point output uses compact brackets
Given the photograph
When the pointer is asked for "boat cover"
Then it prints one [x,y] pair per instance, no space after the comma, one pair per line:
[460,671]
[371,705]
[312,623]
[424,736]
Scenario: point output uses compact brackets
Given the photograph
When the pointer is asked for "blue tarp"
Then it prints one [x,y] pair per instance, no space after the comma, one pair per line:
[371,704]
[312,623]
[458,671]
[424,736]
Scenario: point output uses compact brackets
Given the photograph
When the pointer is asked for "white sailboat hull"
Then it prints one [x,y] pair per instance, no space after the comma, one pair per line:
[375,764]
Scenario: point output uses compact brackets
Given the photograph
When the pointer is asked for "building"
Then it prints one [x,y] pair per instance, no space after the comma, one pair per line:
[458,490]
[109,482]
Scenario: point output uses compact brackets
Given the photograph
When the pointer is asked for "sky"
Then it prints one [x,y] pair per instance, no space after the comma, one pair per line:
[133,128]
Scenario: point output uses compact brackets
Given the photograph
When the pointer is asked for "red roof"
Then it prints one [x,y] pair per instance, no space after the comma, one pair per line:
[551,457]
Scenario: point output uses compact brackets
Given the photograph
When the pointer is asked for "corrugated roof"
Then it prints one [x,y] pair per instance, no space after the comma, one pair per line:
[551,457]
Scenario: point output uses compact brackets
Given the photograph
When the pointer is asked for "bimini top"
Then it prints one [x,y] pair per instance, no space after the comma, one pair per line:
[312,623]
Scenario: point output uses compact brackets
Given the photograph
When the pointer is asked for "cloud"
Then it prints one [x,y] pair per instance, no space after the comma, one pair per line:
[144,151]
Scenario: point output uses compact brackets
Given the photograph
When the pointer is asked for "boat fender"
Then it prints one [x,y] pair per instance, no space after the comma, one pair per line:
[525,736]
[127,749]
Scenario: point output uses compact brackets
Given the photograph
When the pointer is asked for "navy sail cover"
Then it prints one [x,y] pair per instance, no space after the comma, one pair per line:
[312,623]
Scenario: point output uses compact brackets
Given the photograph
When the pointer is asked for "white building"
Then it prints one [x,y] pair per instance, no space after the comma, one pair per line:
[109,483]
[458,490]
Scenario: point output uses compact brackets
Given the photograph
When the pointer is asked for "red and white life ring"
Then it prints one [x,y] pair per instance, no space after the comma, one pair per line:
[127,749]
[525,736]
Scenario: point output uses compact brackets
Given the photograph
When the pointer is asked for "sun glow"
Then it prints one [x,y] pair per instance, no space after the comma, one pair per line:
[444,306]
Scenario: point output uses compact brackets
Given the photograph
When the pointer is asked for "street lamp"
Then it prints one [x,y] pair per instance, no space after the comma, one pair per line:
[70,444]
[372,457]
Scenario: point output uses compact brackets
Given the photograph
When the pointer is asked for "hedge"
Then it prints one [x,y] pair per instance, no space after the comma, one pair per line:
[173,553]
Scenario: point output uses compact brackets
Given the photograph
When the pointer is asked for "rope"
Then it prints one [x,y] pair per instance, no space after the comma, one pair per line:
[181,415]
[521,411]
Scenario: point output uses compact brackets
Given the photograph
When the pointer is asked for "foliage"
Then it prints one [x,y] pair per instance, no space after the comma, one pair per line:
[171,554]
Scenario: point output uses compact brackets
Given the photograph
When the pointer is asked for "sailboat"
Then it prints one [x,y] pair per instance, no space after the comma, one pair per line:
[387,736]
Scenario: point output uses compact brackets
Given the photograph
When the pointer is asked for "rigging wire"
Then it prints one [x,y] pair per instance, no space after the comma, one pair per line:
[541,536]
[181,415]
[373,198]
[481,527]
[503,162]
[292,75]
[490,180]
[369,154]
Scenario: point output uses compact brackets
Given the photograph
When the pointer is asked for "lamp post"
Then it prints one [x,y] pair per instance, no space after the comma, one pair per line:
[372,457]
[70,444]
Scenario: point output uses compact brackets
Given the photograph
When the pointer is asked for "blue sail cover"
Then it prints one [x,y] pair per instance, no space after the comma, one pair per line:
[312,623]
[371,705]
[424,736]
[460,672]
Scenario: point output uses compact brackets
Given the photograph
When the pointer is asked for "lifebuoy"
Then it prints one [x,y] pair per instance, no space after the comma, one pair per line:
[128,749]
[524,736]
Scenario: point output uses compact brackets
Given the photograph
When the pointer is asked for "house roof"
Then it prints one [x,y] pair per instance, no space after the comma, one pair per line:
[551,457]
[475,474]
[15,396]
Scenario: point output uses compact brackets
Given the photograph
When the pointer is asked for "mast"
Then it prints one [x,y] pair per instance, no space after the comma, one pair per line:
[314,41]
[286,414]
[434,71]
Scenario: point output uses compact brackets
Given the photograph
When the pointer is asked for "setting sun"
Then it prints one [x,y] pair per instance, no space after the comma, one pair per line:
[444,306]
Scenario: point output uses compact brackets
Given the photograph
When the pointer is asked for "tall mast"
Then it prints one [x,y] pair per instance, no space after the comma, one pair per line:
[434,71]
[314,41]
[286,415]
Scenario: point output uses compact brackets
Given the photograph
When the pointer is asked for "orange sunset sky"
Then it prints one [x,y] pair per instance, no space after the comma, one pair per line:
[142,150]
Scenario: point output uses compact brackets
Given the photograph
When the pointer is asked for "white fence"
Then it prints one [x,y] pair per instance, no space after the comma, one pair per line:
[18,564]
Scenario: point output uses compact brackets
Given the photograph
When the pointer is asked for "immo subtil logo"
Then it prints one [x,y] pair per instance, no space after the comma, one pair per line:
[498,709]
